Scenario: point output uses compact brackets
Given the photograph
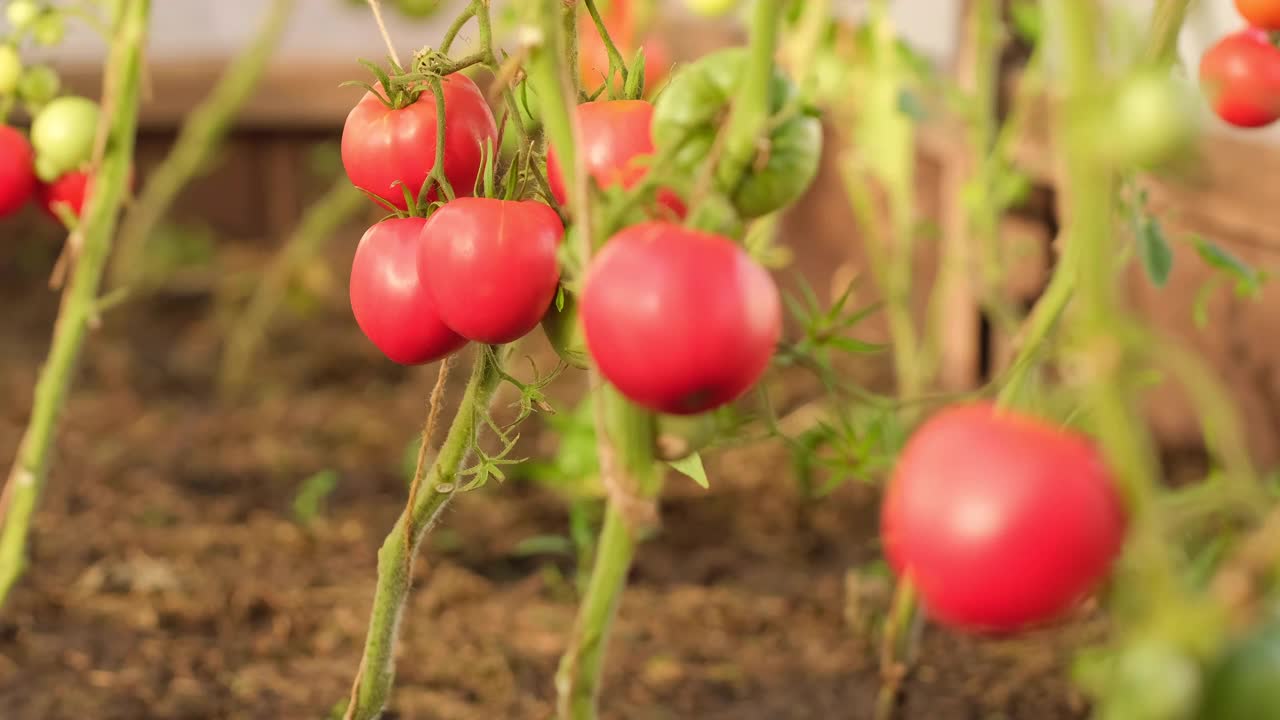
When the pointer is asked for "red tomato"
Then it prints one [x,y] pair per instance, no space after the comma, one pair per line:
[1001,520]
[680,321]
[1240,75]
[618,147]
[1263,14]
[17,171]
[391,306]
[70,189]
[491,266]
[383,149]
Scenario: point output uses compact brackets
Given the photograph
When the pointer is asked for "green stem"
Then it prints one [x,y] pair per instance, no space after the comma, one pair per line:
[616,61]
[1166,23]
[629,432]
[79,302]
[749,116]
[458,23]
[1092,185]
[373,682]
[197,142]
[318,224]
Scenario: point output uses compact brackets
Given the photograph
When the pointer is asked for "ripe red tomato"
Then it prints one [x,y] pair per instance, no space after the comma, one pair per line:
[1240,75]
[1264,14]
[618,148]
[391,306]
[384,148]
[491,266]
[1001,520]
[17,171]
[679,320]
[70,189]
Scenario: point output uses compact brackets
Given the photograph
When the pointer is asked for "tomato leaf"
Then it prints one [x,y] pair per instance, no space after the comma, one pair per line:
[1248,279]
[634,89]
[692,467]
[1153,248]
[855,346]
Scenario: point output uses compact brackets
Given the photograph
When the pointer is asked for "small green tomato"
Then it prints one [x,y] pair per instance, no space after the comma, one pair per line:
[711,8]
[1150,121]
[49,28]
[39,85]
[21,13]
[10,70]
[62,134]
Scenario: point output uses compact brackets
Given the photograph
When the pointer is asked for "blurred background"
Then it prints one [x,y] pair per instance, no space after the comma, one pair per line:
[231,458]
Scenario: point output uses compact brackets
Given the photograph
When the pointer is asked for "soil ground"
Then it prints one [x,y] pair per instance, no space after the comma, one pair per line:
[170,579]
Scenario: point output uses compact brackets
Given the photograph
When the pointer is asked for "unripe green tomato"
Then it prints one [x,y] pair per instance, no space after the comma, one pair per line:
[417,8]
[49,28]
[1150,121]
[688,113]
[1153,681]
[564,330]
[21,13]
[39,85]
[62,133]
[10,70]
[711,8]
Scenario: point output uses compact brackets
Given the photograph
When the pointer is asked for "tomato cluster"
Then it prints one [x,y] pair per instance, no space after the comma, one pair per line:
[1240,74]
[1000,520]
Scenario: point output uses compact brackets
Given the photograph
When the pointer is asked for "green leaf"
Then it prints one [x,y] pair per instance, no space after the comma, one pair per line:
[855,346]
[1200,308]
[692,466]
[543,545]
[1248,279]
[1157,256]
[909,104]
[1027,20]
[309,501]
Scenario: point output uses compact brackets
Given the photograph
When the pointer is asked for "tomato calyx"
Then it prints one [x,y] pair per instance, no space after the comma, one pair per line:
[397,89]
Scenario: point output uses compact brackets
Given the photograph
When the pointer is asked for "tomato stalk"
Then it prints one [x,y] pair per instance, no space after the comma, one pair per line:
[748,120]
[80,303]
[616,62]
[372,686]
[201,135]
[318,224]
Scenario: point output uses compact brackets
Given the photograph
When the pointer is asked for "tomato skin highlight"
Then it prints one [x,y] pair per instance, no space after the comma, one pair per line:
[384,148]
[491,266]
[1001,520]
[1240,76]
[391,306]
[1264,14]
[678,320]
[17,171]
[618,147]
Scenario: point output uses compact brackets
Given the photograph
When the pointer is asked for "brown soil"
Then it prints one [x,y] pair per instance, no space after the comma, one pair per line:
[170,579]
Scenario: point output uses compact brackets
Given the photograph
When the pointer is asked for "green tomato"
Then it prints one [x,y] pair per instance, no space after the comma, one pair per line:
[417,8]
[49,28]
[39,85]
[21,13]
[1245,684]
[687,116]
[711,8]
[10,70]
[1150,121]
[62,133]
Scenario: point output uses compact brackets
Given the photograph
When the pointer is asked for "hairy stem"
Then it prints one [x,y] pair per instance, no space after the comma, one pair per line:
[27,478]
[197,142]
[372,686]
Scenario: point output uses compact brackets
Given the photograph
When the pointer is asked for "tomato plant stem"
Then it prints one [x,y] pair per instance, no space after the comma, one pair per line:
[372,686]
[1166,23]
[633,480]
[318,224]
[616,61]
[749,115]
[201,135]
[1092,187]
[122,82]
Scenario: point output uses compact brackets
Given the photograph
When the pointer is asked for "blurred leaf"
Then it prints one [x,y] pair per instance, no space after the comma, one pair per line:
[1248,279]
[692,466]
[1153,248]
[1200,307]
[543,545]
[1027,20]
[308,503]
